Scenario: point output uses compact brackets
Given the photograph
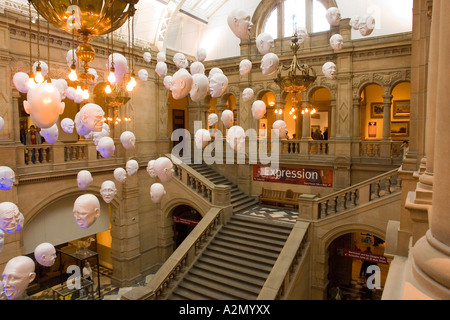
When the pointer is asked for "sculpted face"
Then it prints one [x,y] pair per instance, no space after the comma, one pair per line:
[213,71]
[67,125]
[51,134]
[180,60]
[143,74]
[161,57]
[84,179]
[93,117]
[157,192]
[240,23]
[151,169]
[280,128]
[97,136]
[62,86]
[269,64]
[164,169]
[248,94]
[128,140]
[227,118]
[329,70]
[333,16]
[337,42]
[44,105]
[10,217]
[167,82]
[147,56]
[366,25]
[86,210]
[245,67]
[236,138]
[45,254]
[354,22]
[202,138]
[17,275]
[181,84]
[120,175]
[161,69]
[108,190]
[197,67]
[218,85]
[201,54]
[258,109]
[302,34]
[20,81]
[7,178]
[212,119]
[200,87]
[265,43]
[106,147]
[132,167]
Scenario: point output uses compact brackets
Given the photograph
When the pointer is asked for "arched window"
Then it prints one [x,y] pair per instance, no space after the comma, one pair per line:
[309,14]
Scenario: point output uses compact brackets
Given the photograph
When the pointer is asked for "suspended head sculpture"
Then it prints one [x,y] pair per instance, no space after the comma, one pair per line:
[151,169]
[329,70]
[132,167]
[265,43]
[45,254]
[245,66]
[108,190]
[86,210]
[258,109]
[197,67]
[19,272]
[236,138]
[200,87]
[92,117]
[161,69]
[180,60]
[181,84]
[227,118]
[366,25]
[333,16]
[157,192]
[7,178]
[120,175]
[84,179]
[337,42]
[143,74]
[248,94]
[269,64]
[50,134]
[218,84]
[212,119]
[201,54]
[240,23]
[280,129]
[128,140]
[67,125]
[164,169]
[10,217]
[106,147]
[202,138]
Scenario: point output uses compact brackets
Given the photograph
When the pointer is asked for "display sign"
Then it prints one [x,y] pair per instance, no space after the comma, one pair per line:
[294,175]
[189,222]
[364,256]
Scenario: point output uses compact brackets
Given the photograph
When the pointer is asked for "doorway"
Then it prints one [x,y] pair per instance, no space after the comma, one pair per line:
[185,218]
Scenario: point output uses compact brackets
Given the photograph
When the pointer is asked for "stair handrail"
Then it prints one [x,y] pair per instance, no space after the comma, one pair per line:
[181,259]
[287,264]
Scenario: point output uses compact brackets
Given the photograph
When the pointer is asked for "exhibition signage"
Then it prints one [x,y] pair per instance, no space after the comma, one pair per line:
[294,175]
[189,222]
[365,256]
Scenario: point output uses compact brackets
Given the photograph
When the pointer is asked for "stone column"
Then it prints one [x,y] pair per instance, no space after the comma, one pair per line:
[431,253]
[356,118]
[387,102]
[306,130]
[333,123]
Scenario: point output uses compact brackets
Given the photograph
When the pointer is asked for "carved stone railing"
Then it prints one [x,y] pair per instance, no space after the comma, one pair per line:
[318,147]
[369,149]
[290,147]
[288,264]
[38,154]
[172,271]
[75,152]
[352,197]
[377,149]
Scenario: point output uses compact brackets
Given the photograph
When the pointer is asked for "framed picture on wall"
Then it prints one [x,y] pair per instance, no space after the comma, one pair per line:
[376,110]
[400,128]
[402,108]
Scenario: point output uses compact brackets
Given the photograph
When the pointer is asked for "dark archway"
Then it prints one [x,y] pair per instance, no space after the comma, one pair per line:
[185,218]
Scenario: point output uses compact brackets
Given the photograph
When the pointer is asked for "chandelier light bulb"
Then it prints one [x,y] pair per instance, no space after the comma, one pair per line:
[73,75]
[132,82]
[79,91]
[38,77]
[280,111]
[276,111]
[129,87]
[111,76]
[306,110]
[108,89]
[31,83]
[303,111]
[295,117]
[85,94]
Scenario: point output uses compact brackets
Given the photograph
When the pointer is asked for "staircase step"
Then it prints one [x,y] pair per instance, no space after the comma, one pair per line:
[239,254]
[244,206]
[272,234]
[219,287]
[238,261]
[186,294]
[249,249]
[231,267]
[278,224]
[204,291]
[238,197]
[252,237]
[246,242]
[256,224]
[234,274]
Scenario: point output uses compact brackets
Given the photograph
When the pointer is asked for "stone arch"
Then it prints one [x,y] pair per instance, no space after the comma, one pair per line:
[314,88]
[260,94]
[396,83]
[168,207]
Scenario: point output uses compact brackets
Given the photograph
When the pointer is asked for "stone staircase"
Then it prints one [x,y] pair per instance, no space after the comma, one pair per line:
[239,200]
[236,263]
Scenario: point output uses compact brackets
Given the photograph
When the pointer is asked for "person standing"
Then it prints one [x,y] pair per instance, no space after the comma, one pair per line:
[33,138]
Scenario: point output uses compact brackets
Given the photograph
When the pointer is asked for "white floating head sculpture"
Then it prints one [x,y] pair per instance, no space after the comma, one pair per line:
[269,64]
[227,118]
[336,42]
[120,66]
[248,94]
[161,57]
[366,25]
[213,71]
[161,69]
[202,138]
[44,105]
[212,119]
[106,147]
[96,136]
[132,167]
[265,43]
[45,254]
[200,87]
[62,86]
[120,174]
[50,134]
[181,84]
[79,125]
[302,34]
[86,210]
[10,217]
[354,22]
[164,169]
[7,178]
[240,23]
[19,272]
[67,125]
[84,179]
[197,67]
[2,240]
[201,54]
[180,60]
[20,81]
[333,16]
[143,75]
[93,117]
[280,129]
[218,84]
[147,56]
[128,140]
[108,190]
[167,82]
[157,192]
[151,169]
[236,138]
[245,66]
[329,70]
[258,109]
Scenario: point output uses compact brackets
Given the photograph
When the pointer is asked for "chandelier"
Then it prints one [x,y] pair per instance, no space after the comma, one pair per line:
[299,76]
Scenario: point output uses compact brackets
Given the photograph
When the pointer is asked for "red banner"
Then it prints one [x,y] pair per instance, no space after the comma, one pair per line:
[294,175]
[365,256]
[189,222]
